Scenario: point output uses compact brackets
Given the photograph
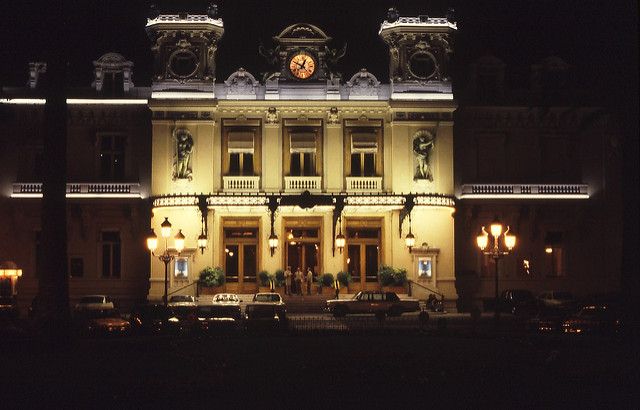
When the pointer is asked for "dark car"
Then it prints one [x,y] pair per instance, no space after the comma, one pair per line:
[599,319]
[273,299]
[517,301]
[152,319]
[216,317]
[102,322]
[261,316]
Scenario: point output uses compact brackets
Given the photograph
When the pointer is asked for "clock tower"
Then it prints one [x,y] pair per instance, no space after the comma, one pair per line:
[184,49]
[419,49]
[302,55]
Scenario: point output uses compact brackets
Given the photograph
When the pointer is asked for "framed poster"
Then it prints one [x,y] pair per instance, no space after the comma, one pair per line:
[181,267]
[425,267]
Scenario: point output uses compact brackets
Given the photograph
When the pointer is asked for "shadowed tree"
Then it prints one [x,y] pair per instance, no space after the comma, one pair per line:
[51,307]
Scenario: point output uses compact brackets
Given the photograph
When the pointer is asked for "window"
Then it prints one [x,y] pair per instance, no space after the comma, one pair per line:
[303,154]
[112,158]
[111,254]
[241,150]
[553,259]
[364,148]
[76,267]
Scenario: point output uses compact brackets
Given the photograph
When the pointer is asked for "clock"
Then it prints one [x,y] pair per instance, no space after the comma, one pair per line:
[302,66]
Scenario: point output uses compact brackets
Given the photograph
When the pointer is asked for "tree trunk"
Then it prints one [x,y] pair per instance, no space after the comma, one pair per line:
[51,307]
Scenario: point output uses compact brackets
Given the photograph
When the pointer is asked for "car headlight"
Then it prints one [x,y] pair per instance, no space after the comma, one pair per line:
[173,319]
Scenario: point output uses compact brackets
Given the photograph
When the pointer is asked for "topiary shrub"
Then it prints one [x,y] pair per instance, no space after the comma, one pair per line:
[263,278]
[211,277]
[344,278]
[280,281]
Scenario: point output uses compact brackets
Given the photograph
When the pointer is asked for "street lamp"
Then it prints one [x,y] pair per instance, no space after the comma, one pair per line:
[495,252]
[152,244]
[410,239]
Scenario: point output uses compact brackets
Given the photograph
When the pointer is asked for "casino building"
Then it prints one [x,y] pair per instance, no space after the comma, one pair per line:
[306,168]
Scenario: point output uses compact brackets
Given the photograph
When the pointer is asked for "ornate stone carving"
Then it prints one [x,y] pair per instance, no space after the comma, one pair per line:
[241,82]
[332,116]
[272,116]
[423,142]
[182,167]
[363,83]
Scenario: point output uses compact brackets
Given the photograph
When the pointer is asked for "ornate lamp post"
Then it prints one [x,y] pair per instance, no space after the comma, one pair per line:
[495,252]
[410,239]
[152,244]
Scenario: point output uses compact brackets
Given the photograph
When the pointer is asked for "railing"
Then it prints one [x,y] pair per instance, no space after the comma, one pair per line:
[545,191]
[82,189]
[364,184]
[241,184]
[301,184]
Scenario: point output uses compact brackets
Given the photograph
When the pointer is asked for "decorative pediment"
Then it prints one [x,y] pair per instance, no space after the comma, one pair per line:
[363,83]
[241,83]
[301,31]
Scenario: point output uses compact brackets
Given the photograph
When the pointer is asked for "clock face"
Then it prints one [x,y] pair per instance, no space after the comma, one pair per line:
[302,66]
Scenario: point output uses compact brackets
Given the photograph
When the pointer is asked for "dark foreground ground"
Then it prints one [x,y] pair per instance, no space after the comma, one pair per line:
[319,371]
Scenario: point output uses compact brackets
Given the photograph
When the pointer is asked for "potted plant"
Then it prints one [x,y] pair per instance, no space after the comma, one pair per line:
[280,281]
[391,279]
[345,279]
[211,280]
[263,281]
[325,283]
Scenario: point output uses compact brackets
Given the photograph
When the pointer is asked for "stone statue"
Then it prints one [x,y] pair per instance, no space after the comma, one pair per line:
[422,146]
[184,148]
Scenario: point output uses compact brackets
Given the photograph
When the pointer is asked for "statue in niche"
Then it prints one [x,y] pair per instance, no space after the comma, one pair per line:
[184,150]
[422,146]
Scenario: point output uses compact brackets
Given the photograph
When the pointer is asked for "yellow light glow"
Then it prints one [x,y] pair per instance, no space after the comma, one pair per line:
[548,249]
[179,240]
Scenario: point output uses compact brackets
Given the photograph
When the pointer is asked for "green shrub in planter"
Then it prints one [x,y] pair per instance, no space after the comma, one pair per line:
[280,281]
[399,276]
[344,278]
[385,273]
[325,279]
[263,278]
[211,277]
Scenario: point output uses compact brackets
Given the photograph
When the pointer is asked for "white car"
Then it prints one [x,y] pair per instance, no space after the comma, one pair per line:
[94,302]
[226,298]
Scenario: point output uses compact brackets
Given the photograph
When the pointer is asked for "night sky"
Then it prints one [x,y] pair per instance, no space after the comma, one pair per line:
[598,39]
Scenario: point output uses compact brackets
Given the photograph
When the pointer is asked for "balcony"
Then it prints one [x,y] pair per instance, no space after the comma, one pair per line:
[301,184]
[81,190]
[525,191]
[241,184]
[364,184]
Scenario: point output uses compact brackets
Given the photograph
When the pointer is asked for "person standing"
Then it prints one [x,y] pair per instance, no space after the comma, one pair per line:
[309,280]
[287,281]
[298,280]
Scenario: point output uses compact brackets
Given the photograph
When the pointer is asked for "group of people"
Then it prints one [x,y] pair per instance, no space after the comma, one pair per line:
[295,282]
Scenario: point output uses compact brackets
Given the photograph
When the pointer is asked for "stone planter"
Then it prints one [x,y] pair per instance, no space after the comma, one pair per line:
[211,290]
[397,289]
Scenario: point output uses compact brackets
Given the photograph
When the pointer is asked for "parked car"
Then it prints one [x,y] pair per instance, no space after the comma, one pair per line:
[264,316]
[226,298]
[182,300]
[517,301]
[102,322]
[377,302]
[216,317]
[94,302]
[151,319]
[600,319]
[553,300]
[273,299]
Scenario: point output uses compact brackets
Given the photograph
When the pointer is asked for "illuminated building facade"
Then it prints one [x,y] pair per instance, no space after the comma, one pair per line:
[307,155]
